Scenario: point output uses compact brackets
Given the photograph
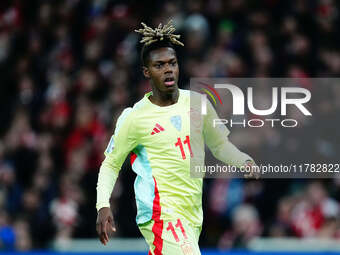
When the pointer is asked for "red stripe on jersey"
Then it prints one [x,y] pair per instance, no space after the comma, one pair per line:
[160,127]
[156,130]
[133,157]
[157,227]
[157,230]
[156,207]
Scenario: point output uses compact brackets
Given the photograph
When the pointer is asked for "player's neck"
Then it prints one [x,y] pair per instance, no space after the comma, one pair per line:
[164,99]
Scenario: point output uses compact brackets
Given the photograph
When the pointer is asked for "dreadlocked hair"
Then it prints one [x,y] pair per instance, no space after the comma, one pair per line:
[160,37]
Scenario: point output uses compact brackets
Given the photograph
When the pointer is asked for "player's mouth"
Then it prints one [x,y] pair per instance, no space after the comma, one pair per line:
[169,82]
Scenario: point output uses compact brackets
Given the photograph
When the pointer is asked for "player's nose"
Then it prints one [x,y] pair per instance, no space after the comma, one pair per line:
[168,69]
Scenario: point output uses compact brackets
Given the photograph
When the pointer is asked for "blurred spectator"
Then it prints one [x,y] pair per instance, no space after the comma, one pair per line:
[7,234]
[22,230]
[282,226]
[245,226]
[316,213]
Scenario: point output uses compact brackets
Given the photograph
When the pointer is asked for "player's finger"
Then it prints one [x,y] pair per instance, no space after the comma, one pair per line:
[257,172]
[248,175]
[112,224]
[113,228]
[104,232]
[102,239]
[100,233]
[252,175]
[98,228]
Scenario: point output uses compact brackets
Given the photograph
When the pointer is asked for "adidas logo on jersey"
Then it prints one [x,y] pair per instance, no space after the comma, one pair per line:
[158,128]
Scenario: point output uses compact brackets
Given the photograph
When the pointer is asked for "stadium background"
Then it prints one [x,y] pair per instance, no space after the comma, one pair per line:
[68,68]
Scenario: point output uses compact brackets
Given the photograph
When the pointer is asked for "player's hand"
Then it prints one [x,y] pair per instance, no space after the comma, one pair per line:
[254,170]
[105,224]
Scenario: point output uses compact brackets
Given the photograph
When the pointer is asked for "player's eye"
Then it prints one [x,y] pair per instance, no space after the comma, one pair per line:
[173,63]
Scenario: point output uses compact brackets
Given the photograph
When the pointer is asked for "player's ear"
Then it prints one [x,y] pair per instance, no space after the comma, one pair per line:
[146,72]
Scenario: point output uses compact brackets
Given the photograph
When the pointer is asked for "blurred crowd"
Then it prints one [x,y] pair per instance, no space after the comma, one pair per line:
[69,67]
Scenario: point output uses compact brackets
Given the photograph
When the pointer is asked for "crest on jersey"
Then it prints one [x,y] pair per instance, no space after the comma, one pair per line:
[176,121]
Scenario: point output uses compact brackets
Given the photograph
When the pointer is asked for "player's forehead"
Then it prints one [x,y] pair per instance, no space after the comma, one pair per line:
[165,54]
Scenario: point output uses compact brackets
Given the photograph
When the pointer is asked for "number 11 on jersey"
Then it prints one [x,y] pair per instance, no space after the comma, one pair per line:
[180,144]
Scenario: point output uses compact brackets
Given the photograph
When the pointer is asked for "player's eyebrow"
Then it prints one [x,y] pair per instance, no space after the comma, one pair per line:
[166,61]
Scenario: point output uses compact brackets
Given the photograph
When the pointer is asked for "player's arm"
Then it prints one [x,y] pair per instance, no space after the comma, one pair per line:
[122,142]
[217,140]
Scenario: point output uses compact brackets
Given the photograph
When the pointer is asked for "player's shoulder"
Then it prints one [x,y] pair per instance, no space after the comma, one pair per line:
[185,95]
[139,105]
[190,95]
[185,92]
[132,112]
[124,116]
